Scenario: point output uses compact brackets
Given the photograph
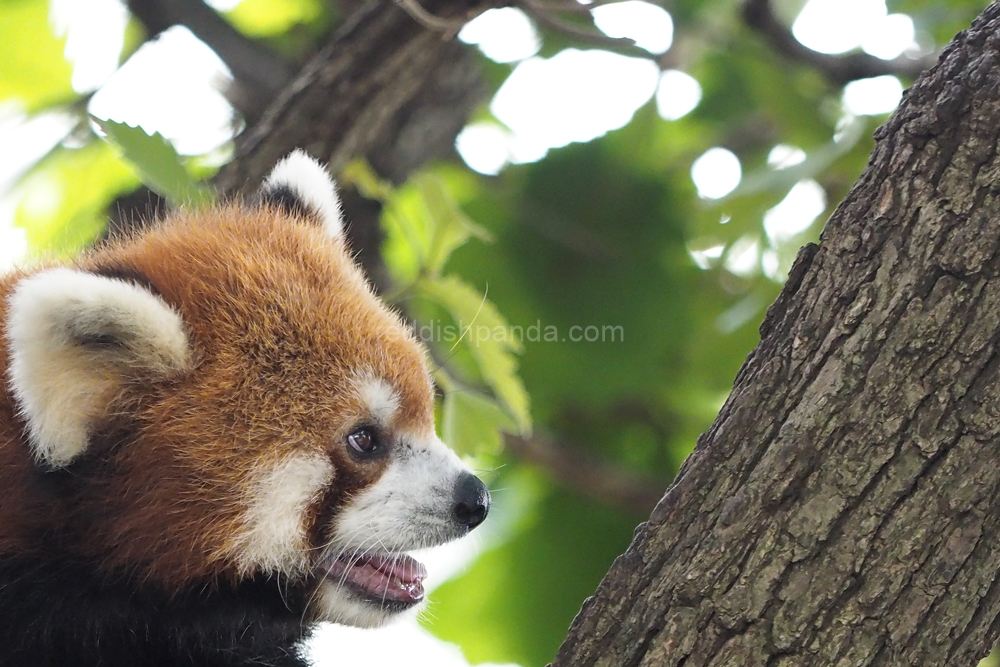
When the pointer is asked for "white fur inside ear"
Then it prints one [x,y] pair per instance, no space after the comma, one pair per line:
[312,186]
[72,337]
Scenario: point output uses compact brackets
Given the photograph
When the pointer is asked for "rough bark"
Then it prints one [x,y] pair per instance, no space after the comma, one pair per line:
[842,509]
[385,87]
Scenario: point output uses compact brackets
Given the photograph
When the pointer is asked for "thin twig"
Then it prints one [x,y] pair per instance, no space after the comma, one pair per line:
[601,480]
[545,15]
[448,26]
[573,6]
[759,15]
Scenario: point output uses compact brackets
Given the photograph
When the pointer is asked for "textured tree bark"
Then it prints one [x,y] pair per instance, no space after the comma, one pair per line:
[843,510]
[385,87]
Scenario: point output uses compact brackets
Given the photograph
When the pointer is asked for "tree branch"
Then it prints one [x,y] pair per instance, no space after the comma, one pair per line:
[547,15]
[759,15]
[384,87]
[586,474]
[447,27]
[258,74]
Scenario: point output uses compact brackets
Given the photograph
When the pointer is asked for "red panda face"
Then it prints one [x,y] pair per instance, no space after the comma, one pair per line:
[223,399]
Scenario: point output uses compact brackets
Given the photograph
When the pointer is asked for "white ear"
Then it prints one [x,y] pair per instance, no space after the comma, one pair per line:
[301,185]
[74,339]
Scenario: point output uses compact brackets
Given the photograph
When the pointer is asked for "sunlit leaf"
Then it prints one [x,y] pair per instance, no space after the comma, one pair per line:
[62,202]
[369,184]
[159,165]
[32,67]
[426,224]
[450,227]
[472,423]
[487,335]
[261,18]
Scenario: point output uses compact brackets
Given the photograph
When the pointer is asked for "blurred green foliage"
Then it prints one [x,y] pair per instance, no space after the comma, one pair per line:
[32,69]
[158,164]
[424,225]
[290,27]
[610,234]
[515,602]
[63,199]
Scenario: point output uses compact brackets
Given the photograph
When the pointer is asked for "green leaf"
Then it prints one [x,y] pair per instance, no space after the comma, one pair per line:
[159,165]
[450,227]
[63,200]
[263,18]
[473,423]
[32,69]
[425,225]
[361,175]
[489,338]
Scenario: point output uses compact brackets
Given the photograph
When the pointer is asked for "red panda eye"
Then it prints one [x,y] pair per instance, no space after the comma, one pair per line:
[363,441]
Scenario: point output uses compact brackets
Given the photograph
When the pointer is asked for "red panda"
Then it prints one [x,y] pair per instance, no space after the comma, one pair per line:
[213,435]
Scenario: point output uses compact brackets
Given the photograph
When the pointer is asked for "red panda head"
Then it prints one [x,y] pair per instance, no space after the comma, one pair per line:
[228,400]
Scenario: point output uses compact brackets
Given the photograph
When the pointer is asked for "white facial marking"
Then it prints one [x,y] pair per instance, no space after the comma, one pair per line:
[274,536]
[410,506]
[60,384]
[382,401]
[311,183]
[334,604]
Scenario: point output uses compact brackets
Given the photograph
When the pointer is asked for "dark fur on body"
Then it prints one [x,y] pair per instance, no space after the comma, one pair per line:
[56,610]
[105,622]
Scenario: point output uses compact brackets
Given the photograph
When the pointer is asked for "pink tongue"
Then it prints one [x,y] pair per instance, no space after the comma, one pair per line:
[382,576]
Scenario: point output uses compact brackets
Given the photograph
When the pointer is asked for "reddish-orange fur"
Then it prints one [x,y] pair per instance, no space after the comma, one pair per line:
[281,323]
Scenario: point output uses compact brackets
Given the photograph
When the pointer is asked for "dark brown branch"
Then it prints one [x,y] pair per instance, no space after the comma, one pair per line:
[759,15]
[603,481]
[259,74]
[548,16]
[448,27]
[385,87]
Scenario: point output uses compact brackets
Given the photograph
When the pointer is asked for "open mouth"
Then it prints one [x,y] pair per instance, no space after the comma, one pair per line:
[378,576]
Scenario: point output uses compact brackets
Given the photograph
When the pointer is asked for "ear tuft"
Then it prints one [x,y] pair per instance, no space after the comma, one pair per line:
[301,186]
[75,338]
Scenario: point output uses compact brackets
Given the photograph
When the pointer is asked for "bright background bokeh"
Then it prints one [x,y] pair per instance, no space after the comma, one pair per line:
[173,85]
[665,189]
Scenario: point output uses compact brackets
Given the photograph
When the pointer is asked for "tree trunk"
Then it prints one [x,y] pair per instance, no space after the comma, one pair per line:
[842,509]
[385,87]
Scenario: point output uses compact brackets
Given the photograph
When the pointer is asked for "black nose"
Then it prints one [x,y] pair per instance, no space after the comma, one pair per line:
[472,501]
